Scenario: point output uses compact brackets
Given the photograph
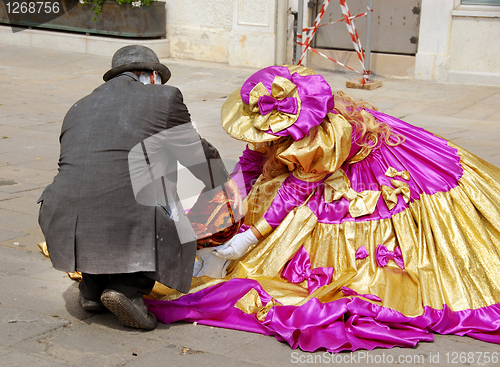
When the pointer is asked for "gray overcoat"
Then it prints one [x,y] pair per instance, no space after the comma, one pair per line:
[89,214]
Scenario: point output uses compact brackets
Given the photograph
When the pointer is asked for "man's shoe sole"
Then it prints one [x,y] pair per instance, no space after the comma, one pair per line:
[126,311]
[91,305]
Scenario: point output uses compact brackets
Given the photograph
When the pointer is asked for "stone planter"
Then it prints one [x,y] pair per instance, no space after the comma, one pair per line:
[115,20]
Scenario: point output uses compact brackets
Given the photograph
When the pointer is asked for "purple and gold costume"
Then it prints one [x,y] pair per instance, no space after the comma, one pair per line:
[363,248]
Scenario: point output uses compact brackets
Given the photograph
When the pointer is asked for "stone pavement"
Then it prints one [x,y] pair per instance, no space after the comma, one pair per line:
[41,323]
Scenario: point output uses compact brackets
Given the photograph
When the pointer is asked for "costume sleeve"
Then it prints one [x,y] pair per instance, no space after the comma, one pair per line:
[247,170]
[310,159]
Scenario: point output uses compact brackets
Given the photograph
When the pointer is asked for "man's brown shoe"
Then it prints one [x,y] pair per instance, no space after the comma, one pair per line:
[131,312]
[91,305]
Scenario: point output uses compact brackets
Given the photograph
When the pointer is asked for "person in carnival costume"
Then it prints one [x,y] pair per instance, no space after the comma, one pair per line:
[361,231]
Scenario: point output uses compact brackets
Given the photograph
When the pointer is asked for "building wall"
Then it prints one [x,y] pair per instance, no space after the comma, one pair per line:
[199,30]
[238,32]
[459,43]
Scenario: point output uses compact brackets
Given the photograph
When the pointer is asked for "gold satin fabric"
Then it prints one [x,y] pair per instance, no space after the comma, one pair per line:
[360,155]
[392,172]
[281,88]
[263,227]
[237,121]
[261,196]
[324,150]
[250,302]
[450,243]
[390,194]
[307,176]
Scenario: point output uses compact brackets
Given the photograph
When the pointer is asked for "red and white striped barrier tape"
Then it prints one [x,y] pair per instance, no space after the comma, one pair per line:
[348,19]
[353,33]
[338,21]
[329,58]
[315,25]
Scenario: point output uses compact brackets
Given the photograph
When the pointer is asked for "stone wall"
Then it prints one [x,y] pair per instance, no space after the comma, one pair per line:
[459,43]
[238,32]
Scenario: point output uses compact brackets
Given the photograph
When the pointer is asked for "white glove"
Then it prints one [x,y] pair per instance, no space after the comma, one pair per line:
[209,265]
[236,247]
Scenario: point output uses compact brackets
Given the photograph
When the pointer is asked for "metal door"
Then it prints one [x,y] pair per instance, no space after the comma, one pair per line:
[395,26]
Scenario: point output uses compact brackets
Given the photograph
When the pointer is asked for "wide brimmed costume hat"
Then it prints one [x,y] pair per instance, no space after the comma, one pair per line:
[277,101]
[136,58]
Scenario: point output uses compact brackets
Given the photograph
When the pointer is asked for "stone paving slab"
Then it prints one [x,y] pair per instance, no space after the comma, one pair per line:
[24,204]
[31,175]
[57,300]
[92,345]
[23,263]
[33,146]
[23,359]
[191,358]
[26,240]
[19,187]
[19,324]
[16,221]
[7,196]
[52,127]
[6,235]
[208,339]
[17,159]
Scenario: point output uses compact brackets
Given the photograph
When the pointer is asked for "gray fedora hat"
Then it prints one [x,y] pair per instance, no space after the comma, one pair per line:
[136,58]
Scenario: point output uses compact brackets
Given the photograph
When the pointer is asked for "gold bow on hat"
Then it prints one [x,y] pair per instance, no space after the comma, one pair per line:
[390,194]
[338,186]
[277,120]
[391,172]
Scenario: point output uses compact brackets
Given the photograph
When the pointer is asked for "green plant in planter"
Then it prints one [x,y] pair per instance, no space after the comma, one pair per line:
[97,4]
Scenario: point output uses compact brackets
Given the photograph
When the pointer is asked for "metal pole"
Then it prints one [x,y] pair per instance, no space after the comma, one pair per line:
[368,44]
[281,28]
[300,26]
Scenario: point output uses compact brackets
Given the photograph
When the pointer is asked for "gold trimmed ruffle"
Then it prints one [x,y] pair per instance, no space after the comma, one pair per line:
[261,196]
[308,176]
